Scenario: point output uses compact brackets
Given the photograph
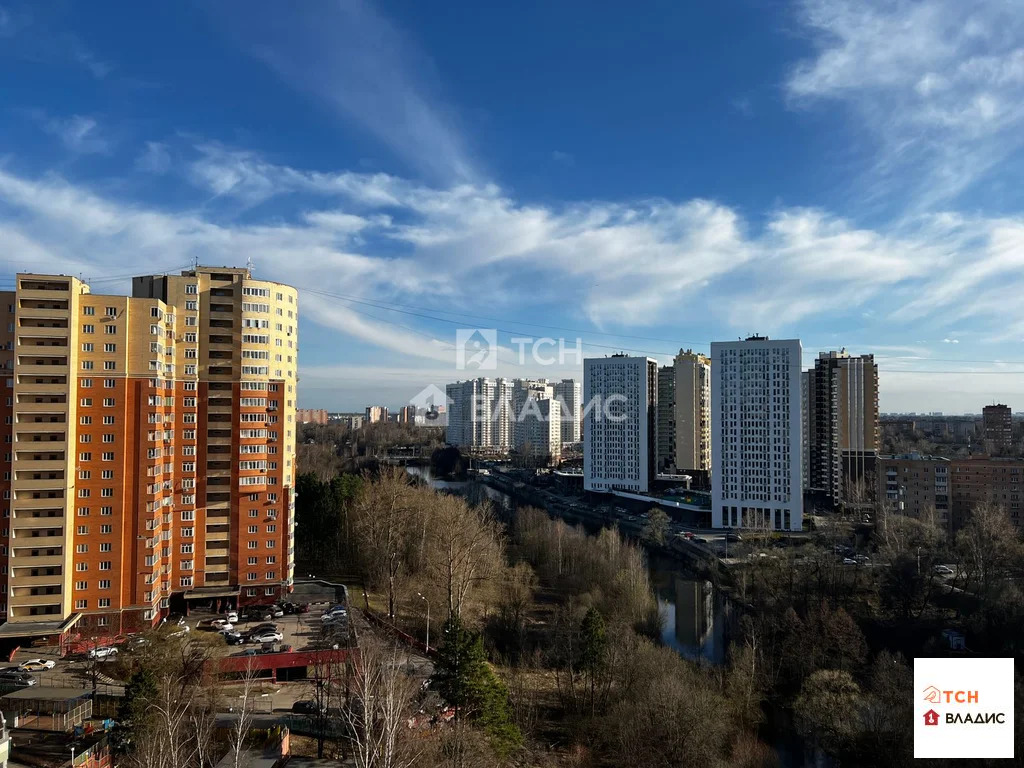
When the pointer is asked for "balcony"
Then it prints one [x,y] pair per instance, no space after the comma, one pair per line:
[28,407]
[43,370]
[24,600]
[34,561]
[36,465]
[54,580]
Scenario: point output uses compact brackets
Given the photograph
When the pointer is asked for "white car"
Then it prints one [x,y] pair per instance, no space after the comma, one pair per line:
[37,665]
[231,617]
[221,624]
[103,652]
[944,570]
[267,637]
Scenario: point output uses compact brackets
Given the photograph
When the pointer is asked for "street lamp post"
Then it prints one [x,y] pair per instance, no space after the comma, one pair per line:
[428,619]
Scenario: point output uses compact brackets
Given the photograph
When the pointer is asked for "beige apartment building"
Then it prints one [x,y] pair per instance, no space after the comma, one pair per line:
[150,448]
[692,412]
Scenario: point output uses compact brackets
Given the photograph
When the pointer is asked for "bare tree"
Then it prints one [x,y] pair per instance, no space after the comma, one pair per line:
[378,720]
[385,526]
[464,549]
[239,733]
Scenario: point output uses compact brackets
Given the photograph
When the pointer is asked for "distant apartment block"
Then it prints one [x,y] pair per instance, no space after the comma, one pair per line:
[375,413]
[151,446]
[756,434]
[841,423]
[619,430]
[568,393]
[986,480]
[692,412]
[997,423]
[479,414]
[536,422]
[915,485]
[311,416]
[666,420]
[407,414]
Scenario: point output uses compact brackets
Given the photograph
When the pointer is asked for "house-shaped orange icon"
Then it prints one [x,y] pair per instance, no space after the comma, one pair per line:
[931,717]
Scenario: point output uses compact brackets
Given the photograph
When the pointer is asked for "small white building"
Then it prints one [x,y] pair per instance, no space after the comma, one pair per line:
[756,419]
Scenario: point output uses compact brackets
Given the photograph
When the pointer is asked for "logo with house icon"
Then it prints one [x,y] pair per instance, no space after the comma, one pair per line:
[931,717]
[932,695]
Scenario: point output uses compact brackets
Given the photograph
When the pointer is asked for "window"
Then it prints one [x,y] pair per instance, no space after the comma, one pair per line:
[106,529]
[108,456]
[107,474]
[109,383]
[84,474]
[104,602]
[81,567]
[254,513]
[254,545]
[110,330]
[186,581]
[109,365]
[87,365]
[104,584]
[85,420]
[110,347]
[271,559]
[108,402]
[87,347]
[250,577]
[107,493]
[104,565]
[88,310]
[81,604]
[88,329]
[105,546]
[187,533]
[111,312]
[186,549]
[81,549]
[192,288]
[81,585]
[188,515]
[85,383]
[106,510]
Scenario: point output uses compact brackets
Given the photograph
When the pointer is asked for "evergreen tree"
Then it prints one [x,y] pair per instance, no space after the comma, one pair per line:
[464,679]
[133,709]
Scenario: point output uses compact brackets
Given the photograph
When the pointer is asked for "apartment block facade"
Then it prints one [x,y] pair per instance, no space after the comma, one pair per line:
[480,414]
[692,412]
[568,393]
[536,422]
[842,433]
[997,423]
[619,424]
[311,416]
[986,480]
[915,485]
[150,443]
[756,476]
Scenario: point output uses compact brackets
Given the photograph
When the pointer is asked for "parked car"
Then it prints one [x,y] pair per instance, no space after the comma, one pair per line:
[221,624]
[862,559]
[258,613]
[733,537]
[266,637]
[277,611]
[233,638]
[333,619]
[17,678]
[103,652]
[849,561]
[231,616]
[307,707]
[36,665]
[266,627]
[943,570]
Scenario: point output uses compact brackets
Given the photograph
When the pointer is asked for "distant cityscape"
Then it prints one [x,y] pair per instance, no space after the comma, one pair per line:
[764,438]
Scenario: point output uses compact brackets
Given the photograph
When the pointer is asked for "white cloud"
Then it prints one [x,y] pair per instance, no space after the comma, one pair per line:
[940,83]
[475,249]
[156,158]
[77,133]
[357,62]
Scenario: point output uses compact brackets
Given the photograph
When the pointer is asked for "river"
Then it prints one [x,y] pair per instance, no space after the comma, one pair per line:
[697,620]
[695,617]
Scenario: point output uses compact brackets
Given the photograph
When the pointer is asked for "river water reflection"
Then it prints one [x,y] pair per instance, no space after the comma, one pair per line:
[695,617]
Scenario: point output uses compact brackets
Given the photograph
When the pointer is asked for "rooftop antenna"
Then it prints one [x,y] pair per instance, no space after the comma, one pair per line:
[248,265]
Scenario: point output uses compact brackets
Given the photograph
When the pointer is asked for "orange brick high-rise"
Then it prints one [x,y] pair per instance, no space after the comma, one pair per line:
[149,455]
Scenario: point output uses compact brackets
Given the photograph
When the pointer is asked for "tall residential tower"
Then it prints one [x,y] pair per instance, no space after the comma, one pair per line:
[151,445]
[756,436]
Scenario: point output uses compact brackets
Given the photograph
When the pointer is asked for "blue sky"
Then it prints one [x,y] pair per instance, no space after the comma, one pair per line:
[842,171]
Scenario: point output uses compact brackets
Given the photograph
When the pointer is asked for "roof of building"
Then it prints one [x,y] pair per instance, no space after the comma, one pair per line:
[47,693]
